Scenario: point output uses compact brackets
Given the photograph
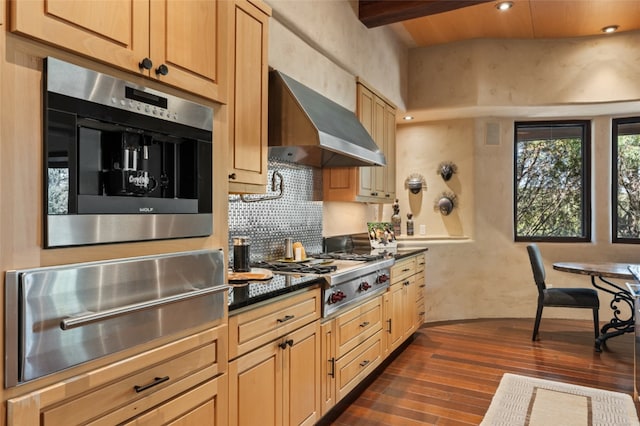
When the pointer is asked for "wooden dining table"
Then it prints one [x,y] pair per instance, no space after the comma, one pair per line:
[623,319]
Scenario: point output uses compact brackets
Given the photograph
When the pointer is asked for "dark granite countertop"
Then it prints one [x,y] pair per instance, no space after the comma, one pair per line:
[241,295]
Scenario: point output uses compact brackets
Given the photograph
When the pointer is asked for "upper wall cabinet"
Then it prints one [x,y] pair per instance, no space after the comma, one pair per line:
[368,184]
[181,43]
[248,148]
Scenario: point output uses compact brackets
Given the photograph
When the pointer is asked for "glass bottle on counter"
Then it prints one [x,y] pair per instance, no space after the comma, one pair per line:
[409,223]
[395,218]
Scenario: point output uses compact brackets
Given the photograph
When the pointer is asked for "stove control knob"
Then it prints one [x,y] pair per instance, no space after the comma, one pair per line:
[383,278]
[337,296]
[365,286]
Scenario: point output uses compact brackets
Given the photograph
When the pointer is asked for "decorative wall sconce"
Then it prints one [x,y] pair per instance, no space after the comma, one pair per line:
[446,169]
[445,203]
[415,183]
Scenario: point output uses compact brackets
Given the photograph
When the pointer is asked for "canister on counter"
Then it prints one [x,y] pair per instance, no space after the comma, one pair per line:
[241,254]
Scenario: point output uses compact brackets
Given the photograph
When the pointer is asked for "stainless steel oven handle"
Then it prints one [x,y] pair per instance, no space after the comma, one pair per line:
[81,321]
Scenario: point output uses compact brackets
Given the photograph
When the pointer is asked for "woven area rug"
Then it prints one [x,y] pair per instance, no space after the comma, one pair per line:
[529,401]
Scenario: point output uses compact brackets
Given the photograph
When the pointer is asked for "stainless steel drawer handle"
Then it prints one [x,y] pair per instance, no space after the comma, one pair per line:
[364,363]
[286,318]
[155,382]
[80,321]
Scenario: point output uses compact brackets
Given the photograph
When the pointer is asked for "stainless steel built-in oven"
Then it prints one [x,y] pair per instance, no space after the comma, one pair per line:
[122,162]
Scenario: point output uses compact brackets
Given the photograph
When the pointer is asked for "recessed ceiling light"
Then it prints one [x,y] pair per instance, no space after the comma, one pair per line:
[504,5]
[610,29]
[407,118]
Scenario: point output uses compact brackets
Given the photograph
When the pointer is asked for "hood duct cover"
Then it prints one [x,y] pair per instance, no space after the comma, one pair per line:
[307,128]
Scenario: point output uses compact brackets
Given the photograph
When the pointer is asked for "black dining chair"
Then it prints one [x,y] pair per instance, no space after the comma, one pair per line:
[584,298]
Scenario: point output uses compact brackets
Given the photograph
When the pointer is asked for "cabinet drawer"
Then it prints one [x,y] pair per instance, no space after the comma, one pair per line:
[403,269]
[357,325]
[107,396]
[420,262]
[358,364]
[251,329]
[135,393]
[203,405]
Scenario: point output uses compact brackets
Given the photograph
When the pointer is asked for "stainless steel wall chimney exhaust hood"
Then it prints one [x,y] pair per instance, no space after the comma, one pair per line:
[307,128]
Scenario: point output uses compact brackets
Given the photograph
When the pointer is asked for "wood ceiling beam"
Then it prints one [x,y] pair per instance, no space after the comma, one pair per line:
[374,13]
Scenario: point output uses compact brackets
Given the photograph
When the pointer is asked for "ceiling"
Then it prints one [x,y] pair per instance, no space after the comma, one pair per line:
[431,22]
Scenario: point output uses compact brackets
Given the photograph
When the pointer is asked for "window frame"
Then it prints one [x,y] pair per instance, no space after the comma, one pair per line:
[614,181]
[586,181]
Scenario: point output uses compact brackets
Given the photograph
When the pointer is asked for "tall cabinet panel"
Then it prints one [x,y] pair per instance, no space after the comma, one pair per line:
[181,43]
[248,121]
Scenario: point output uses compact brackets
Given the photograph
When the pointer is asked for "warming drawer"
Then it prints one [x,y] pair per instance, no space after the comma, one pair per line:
[58,317]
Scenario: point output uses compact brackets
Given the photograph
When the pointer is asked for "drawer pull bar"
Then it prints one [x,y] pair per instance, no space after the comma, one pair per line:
[423,285]
[389,321]
[406,270]
[364,363]
[332,373]
[364,324]
[286,318]
[155,382]
[81,321]
[406,283]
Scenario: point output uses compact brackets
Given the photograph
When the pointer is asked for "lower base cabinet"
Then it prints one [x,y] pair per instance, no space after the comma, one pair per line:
[351,350]
[183,382]
[278,383]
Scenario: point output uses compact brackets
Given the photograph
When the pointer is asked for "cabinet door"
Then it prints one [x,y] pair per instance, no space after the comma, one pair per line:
[302,376]
[255,387]
[367,108]
[248,124]
[410,312]
[112,31]
[396,315]
[189,39]
[390,152]
[379,135]
[327,367]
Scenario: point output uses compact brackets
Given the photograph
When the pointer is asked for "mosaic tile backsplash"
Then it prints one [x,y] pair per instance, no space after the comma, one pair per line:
[297,214]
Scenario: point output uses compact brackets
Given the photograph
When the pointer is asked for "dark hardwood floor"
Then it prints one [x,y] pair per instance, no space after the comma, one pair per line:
[449,373]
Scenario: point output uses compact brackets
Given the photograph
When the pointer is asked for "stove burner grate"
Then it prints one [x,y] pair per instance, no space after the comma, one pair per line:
[298,268]
[349,256]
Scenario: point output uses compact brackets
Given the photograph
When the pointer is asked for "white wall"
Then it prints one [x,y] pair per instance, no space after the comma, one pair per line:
[323,45]
[499,82]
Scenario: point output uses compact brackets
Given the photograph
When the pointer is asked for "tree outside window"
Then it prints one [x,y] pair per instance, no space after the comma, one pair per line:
[626,180]
[552,192]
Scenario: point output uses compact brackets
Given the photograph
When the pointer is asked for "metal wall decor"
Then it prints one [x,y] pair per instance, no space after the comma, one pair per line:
[446,170]
[445,203]
[415,183]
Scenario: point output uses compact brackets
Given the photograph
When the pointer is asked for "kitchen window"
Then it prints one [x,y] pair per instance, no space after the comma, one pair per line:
[551,181]
[625,192]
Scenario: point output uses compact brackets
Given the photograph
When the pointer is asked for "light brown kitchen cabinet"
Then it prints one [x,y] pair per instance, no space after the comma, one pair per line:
[278,384]
[404,301]
[274,376]
[351,350]
[327,367]
[181,381]
[181,43]
[248,149]
[368,184]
